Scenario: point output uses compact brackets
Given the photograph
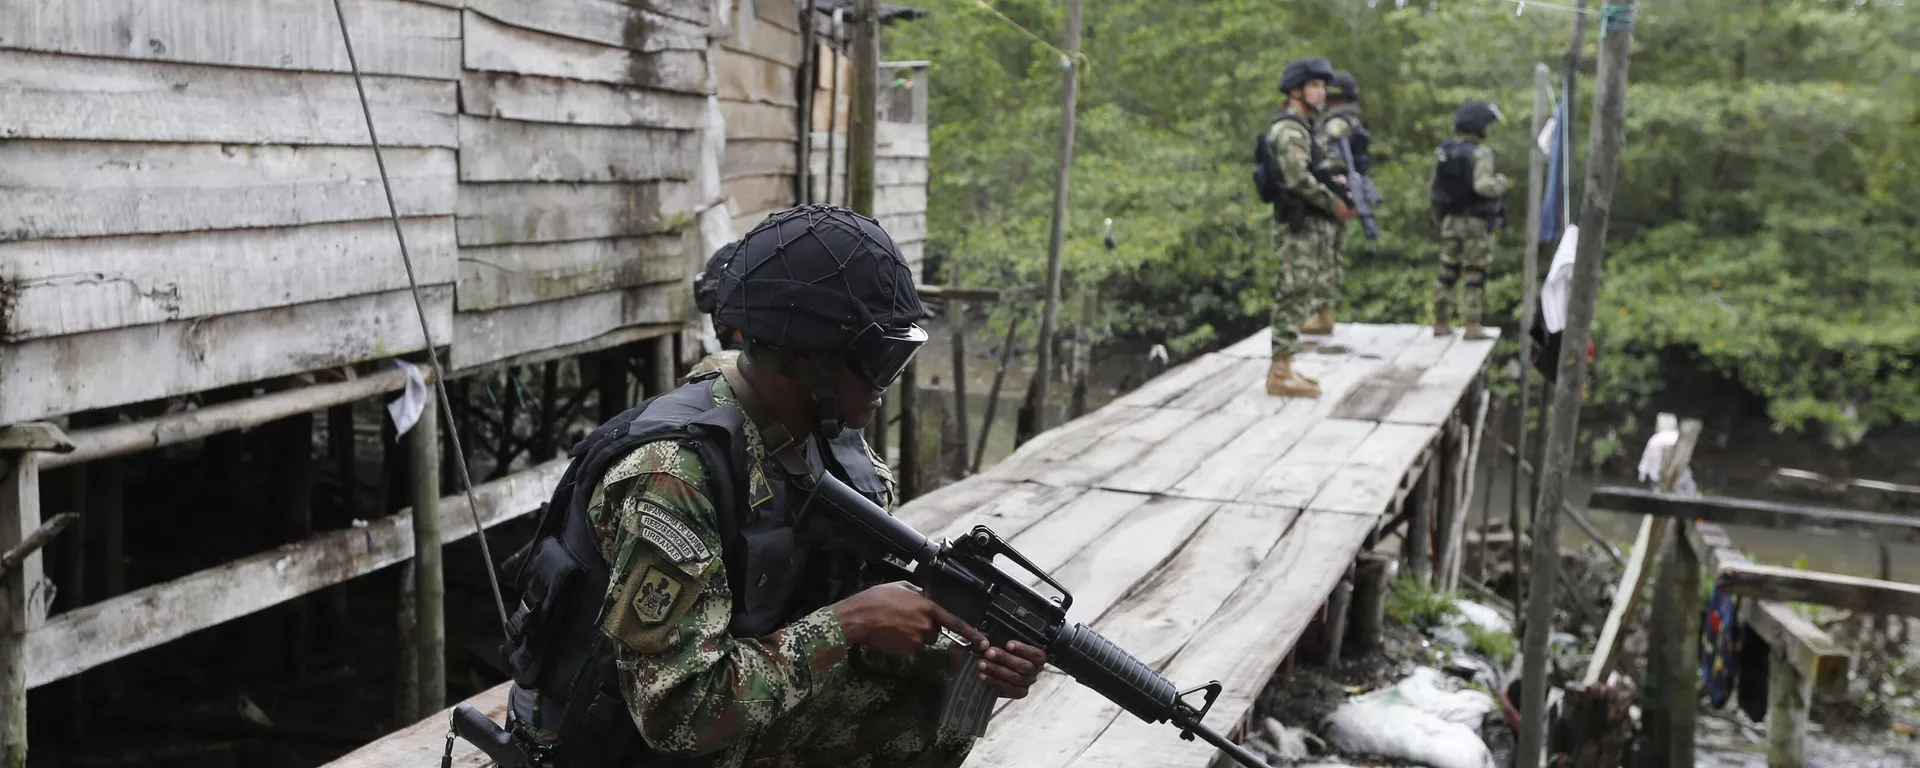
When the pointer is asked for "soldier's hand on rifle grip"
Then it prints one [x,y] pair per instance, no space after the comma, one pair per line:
[1010,671]
[896,619]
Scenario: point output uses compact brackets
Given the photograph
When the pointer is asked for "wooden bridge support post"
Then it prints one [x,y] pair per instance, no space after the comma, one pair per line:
[1789,697]
[663,372]
[1673,663]
[1338,606]
[429,581]
[1372,577]
[1419,538]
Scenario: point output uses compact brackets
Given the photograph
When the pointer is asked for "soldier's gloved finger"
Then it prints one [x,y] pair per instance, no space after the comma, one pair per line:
[1011,661]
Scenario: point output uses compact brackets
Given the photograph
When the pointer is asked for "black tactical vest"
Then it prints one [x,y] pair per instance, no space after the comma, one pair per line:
[556,647]
[1289,208]
[1453,193]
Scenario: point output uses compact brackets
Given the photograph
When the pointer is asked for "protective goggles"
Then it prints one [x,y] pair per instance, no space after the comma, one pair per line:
[880,355]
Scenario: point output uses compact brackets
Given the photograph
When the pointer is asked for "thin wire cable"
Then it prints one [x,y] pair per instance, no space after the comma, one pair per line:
[419,308]
[1079,57]
[1525,4]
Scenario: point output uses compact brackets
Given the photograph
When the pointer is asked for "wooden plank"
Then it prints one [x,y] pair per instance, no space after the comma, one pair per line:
[391,37]
[758,194]
[755,80]
[77,285]
[495,47]
[947,503]
[1259,346]
[1244,641]
[509,150]
[1379,394]
[908,140]
[492,214]
[760,121]
[422,743]
[1392,341]
[1167,386]
[608,22]
[886,170]
[1338,376]
[1438,393]
[1065,442]
[773,42]
[1298,476]
[1226,475]
[1110,566]
[1206,440]
[1053,540]
[1007,515]
[1755,512]
[760,158]
[1426,351]
[554,100]
[67,374]
[51,96]
[89,636]
[1118,449]
[1348,337]
[1370,477]
[1769,582]
[482,337]
[89,188]
[780,13]
[511,275]
[1152,623]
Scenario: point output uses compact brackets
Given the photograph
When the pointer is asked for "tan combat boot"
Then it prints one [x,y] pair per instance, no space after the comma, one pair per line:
[1321,324]
[1475,332]
[1281,380]
[1442,327]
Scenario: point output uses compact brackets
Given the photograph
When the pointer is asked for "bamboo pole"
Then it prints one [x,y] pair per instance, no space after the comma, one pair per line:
[1596,206]
[1529,304]
[1063,165]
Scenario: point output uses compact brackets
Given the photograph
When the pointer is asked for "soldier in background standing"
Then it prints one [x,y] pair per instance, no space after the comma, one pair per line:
[1346,142]
[1469,196]
[1290,171]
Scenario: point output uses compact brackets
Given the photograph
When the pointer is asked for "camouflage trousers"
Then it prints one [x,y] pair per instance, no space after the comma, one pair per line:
[876,719]
[1466,248]
[1309,280]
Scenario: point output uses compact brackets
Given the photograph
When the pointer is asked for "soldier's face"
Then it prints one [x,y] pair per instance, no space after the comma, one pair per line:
[1315,93]
[855,398]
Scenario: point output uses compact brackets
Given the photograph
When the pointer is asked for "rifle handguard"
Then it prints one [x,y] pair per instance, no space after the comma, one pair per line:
[1109,670]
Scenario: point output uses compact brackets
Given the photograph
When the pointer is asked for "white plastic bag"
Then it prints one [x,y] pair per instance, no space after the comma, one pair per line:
[1429,690]
[1401,732]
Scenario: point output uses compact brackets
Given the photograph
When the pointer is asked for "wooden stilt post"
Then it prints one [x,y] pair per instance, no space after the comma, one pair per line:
[429,581]
[993,393]
[862,140]
[23,590]
[612,383]
[1419,539]
[1373,576]
[1530,303]
[293,487]
[1338,605]
[107,525]
[957,330]
[72,583]
[662,372]
[1063,165]
[1603,141]
[406,693]
[1789,697]
[1672,693]
[340,445]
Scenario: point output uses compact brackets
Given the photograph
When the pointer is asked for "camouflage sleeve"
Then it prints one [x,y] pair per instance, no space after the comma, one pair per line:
[1295,155]
[1332,132]
[691,687]
[1487,179]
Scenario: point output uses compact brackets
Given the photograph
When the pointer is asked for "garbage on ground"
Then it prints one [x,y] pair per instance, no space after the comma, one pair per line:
[1422,719]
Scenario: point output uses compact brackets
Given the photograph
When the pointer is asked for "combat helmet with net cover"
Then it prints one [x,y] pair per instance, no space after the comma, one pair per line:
[829,283]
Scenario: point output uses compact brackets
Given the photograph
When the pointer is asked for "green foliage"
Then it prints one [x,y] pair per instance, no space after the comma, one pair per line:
[1419,605]
[1497,647]
[1763,229]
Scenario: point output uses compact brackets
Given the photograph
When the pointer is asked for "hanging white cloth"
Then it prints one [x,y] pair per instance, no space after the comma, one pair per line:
[1553,294]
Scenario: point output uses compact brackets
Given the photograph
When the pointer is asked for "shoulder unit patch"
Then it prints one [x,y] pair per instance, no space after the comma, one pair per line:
[669,535]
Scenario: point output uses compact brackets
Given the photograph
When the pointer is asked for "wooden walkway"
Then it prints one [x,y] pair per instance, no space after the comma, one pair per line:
[1200,523]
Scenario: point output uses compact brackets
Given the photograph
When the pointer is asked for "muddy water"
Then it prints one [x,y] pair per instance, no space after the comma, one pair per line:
[1735,464]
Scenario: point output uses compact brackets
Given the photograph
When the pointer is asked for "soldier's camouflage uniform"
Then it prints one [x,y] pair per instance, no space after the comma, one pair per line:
[1336,124]
[1309,266]
[1466,245]
[797,698]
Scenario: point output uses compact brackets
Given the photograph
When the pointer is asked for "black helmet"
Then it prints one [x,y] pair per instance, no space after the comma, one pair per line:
[823,279]
[1475,116]
[1344,86]
[1299,71]
[706,285]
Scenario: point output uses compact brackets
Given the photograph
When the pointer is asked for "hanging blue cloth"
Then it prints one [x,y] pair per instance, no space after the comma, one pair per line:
[1552,207]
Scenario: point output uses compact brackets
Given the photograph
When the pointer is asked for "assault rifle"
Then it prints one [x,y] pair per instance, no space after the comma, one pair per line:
[960,576]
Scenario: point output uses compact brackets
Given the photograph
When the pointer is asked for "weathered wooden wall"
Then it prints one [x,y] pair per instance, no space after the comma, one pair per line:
[187,199]
[900,175]
[187,189]
[579,141]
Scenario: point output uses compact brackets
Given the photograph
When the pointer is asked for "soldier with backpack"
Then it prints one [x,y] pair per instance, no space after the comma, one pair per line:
[1469,196]
[1309,203]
